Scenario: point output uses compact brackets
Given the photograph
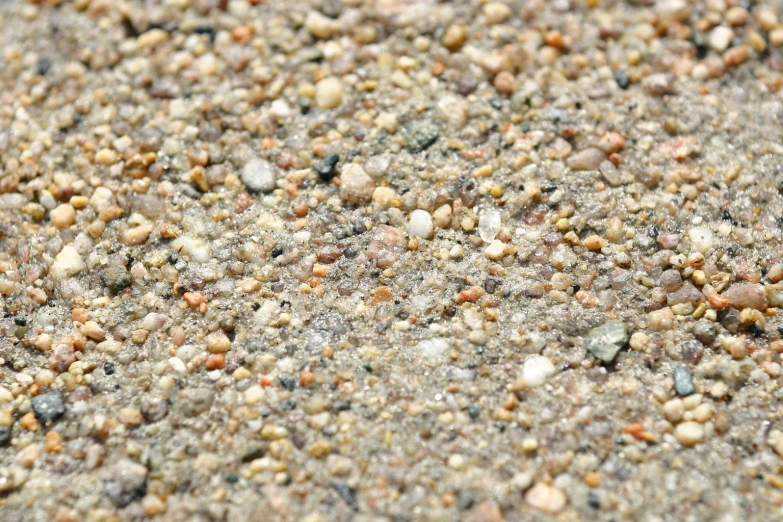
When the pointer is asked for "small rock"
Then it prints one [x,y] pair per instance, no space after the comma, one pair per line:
[5,435]
[496,250]
[259,176]
[67,264]
[116,278]
[321,26]
[356,186]
[537,370]
[588,159]
[672,10]
[195,401]
[125,482]
[683,382]
[720,38]
[326,168]
[606,340]
[701,238]
[454,37]
[747,295]
[49,407]
[546,498]
[421,135]
[63,216]
[217,342]
[489,225]
[328,93]
[689,433]
[496,13]
[420,224]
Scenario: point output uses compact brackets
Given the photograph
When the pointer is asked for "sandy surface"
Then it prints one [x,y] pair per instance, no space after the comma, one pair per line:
[391,260]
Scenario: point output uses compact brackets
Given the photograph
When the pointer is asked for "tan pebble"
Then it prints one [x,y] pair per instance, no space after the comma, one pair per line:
[106,157]
[594,242]
[62,216]
[153,505]
[137,235]
[194,299]
[736,55]
[496,250]
[54,442]
[131,417]
[662,319]
[546,498]
[79,202]
[270,432]
[689,433]
[29,422]
[496,13]
[454,37]
[217,342]
[93,330]
[319,449]
[42,342]
[29,455]
[328,93]
[504,82]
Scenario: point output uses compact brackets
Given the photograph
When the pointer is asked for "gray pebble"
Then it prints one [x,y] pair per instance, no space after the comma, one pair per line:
[48,407]
[259,176]
[683,382]
[116,278]
[606,340]
[421,135]
[125,482]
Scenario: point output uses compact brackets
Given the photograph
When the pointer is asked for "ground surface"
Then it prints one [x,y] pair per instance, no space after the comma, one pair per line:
[333,261]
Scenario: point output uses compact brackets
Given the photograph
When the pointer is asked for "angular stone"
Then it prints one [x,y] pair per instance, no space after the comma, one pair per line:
[606,340]
[48,407]
[683,382]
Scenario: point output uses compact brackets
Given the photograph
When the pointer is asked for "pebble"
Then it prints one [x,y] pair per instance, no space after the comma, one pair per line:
[356,186]
[49,407]
[689,433]
[588,159]
[420,224]
[62,216]
[683,382]
[720,38]
[421,135]
[747,295]
[702,239]
[454,37]
[125,482]
[537,370]
[546,498]
[489,225]
[495,250]
[67,264]
[605,341]
[328,93]
[259,175]
[321,26]
[116,278]
[496,12]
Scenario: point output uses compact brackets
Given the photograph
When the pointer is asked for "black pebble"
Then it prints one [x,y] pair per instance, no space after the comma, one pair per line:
[48,407]
[327,167]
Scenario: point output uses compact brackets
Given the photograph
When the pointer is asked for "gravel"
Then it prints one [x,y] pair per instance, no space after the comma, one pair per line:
[391,260]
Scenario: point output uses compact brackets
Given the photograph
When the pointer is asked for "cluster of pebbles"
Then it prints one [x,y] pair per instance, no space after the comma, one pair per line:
[396,260]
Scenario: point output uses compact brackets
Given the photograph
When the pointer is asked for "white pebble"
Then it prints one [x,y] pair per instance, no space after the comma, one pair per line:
[259,176]
[420,224]
[67,264]
[328,93]
[489,225]
[537,370]
[720,38]
[433,348]
[701,238]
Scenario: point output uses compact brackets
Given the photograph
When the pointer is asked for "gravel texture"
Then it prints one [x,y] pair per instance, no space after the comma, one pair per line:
[401,260]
